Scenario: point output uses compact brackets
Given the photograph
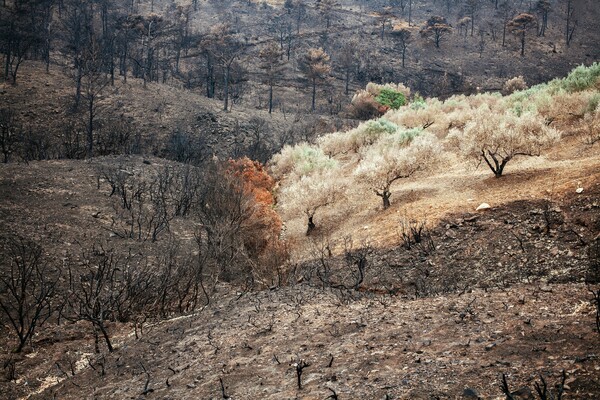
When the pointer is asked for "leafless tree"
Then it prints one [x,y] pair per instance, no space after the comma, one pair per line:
[384,18]
[99,291]
[224,47]
[505,12]
[282,28]
[10,132]
[271,64]
[144,205]
[326,9]
[570,23]
[300,365]
[223,208]
[345,60]
[18,34]
[403,36]
[77,28]
[470,8]
[27,286]
[543,8]
[93,82]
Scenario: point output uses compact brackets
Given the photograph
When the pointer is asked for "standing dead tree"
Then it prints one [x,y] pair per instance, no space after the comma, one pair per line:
[571,24]
[358,258]
[271,64]
[10,132]
[224,47]
[315,64]
[19,34]
[403,37]
[436,28]
[299,366]
[520,25]
[541,389]
[96,295]
[147,202]
[27,287]
[93,81]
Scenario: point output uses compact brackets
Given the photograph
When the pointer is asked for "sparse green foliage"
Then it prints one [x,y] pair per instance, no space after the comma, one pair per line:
[352,141]
[300,160]
[581,78]
[394,157]
[391,98]
[497,138]
[377,99]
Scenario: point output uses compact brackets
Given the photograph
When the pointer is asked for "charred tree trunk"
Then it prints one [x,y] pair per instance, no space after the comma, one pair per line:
[90,128]
[311,225]
[385,197]
[226,87]
[347,83]
[314,93]
[270,97]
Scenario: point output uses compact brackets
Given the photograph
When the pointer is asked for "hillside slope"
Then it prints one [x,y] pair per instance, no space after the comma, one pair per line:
[376,348]
[402,335]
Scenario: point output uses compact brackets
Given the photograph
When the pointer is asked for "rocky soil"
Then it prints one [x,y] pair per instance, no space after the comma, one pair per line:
[377,347]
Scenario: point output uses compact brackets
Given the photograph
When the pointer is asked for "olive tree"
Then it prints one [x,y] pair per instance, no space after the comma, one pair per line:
[394,157]
[309,178]
[497,138]
[309,193]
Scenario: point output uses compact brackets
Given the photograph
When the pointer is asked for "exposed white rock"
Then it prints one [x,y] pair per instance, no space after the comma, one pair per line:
[483,206]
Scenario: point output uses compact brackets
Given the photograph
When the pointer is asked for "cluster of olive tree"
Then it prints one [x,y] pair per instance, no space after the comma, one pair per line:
[412,141]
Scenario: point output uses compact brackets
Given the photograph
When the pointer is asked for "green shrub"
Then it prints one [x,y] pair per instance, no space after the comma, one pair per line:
[407,135]
[523,101]
[301,159]
[401,137]
[418,102]
[593,103]
[391,98]
[380,125]
[581,78]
